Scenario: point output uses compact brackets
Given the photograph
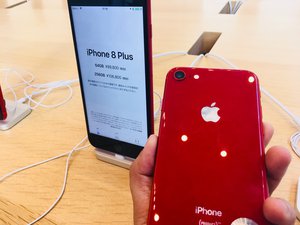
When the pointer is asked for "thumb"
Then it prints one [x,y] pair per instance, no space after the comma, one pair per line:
[141,173]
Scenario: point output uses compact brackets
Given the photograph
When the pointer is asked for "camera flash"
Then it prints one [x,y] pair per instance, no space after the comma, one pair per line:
[184,138]
[223,153]
[251,79]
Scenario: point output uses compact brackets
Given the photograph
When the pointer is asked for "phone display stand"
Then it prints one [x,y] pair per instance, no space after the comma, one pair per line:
[113,158]
[18,114]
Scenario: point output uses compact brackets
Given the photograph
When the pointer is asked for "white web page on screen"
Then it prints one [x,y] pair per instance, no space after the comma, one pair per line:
[110,45]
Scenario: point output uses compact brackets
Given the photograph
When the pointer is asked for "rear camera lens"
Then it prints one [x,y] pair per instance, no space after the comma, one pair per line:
[179,75]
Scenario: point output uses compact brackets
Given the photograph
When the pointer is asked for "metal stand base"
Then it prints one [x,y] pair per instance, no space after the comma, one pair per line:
[113,158]
[15,116]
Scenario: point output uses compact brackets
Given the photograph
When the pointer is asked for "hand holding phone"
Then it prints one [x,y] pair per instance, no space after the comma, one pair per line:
[210,157]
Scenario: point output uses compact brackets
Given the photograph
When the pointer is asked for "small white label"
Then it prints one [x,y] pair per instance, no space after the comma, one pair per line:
[201,222]
[208,212]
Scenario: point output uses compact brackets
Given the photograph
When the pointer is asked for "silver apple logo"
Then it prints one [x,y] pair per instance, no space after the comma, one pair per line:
[210,113]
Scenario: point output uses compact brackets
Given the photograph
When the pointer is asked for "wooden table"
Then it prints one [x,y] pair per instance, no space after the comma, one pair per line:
[263,36]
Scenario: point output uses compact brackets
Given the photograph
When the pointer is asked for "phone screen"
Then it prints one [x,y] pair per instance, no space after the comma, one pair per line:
[114,73]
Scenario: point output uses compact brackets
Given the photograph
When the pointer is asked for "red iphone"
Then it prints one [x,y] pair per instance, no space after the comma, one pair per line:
[210,167]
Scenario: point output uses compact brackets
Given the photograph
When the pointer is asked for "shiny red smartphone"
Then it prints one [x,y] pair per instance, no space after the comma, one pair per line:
[210,165]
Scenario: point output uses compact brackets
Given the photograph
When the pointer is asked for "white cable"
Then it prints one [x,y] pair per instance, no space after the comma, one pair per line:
[237,6]
[75,148]
[46,92]
[14,71]
[199,57]
[222,59]
[169,53]
[230,7]
[42,90]
[4,177]
[156,113]
[46,89]
[284,108]
[10,88]
[295,138]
